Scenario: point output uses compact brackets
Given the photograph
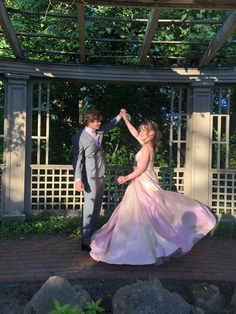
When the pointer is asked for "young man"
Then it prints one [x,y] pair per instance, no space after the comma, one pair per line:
[89,168]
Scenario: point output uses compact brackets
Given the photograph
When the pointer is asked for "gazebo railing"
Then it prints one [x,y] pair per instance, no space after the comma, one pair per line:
[52,187]
[223,193]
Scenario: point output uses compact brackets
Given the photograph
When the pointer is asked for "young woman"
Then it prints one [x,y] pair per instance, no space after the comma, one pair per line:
[150,224]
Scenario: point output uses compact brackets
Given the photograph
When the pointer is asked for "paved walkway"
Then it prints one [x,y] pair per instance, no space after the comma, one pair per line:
[35,258]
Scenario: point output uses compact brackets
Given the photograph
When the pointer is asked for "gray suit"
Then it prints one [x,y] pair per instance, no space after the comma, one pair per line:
[89,166]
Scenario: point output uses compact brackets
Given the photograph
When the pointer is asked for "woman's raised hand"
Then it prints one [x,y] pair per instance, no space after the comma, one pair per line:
[123,113]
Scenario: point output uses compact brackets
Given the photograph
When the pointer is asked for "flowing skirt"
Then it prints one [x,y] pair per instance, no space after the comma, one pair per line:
[150,225]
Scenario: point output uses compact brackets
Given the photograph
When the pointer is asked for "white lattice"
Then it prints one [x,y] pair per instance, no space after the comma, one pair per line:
[223,197]
[52,187]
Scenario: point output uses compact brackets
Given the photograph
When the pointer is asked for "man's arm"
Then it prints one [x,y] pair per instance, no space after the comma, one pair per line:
[78,164]
[108,126]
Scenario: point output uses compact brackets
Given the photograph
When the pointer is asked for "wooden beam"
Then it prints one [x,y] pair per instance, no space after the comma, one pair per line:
[150,31]
[81,30]
[175,4]
[116,74]
[111,18]
[9,31]
[220,38]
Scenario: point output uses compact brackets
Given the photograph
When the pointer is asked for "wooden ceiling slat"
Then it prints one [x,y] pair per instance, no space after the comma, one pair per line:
[150,31]
[175,4]
[128,41]
[81,30]
[9,31]
[220,38]
[113,18]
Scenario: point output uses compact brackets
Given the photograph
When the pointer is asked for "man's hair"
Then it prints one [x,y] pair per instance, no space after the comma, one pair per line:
[90,115]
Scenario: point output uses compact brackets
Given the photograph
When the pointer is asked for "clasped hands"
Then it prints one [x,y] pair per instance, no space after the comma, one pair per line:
[124,114]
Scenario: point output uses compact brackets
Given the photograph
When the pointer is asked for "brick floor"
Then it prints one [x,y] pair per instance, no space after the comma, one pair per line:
[36,258]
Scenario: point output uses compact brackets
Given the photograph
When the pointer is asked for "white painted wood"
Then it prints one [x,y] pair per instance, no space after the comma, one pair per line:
[14,173]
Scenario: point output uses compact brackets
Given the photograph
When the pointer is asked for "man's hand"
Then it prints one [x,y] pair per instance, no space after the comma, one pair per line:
[79,186]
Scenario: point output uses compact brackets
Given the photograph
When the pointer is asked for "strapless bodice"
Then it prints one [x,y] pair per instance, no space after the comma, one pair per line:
[150,164]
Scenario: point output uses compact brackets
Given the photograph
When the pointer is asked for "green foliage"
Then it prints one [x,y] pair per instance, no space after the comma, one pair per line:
[118,31]
[142,102]
[232,151]
[65,118]
[47,223]
[92,307]
[44,223]
[225,228]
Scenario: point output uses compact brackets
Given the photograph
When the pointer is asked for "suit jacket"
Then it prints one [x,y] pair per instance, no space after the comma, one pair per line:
[88,156]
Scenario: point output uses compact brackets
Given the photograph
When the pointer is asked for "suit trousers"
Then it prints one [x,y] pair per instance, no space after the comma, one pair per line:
[93,196]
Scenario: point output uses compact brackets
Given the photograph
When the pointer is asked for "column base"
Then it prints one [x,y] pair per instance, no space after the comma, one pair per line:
[12,217]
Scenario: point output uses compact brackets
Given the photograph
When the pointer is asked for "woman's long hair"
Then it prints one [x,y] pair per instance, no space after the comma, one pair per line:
[151,126]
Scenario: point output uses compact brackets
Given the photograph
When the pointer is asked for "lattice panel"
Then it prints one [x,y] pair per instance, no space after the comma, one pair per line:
[171,180]
[40,123]
[223,199]
[113,191]
[178,127]
[52,187]
[220,128]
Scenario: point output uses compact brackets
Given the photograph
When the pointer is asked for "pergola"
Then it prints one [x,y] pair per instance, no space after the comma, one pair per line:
[144,64]
[225,30]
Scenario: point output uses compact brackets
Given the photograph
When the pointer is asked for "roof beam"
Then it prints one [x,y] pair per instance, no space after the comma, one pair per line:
[81,30]
[220,38]
[112,18]
[175,4]
[150,31]
[9,31]
[114,74]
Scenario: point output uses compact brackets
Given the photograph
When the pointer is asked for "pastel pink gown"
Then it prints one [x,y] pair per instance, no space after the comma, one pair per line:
[150,224]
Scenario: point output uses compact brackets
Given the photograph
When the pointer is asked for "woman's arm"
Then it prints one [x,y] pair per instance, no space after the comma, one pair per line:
[130,127]
[141,166]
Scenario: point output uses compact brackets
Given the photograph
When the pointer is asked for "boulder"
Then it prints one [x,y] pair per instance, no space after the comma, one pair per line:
[207,297]
[56,288]
[149,297]
[233,300]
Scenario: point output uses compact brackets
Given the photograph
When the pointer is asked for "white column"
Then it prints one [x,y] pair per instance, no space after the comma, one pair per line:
[15,130]
[199,142]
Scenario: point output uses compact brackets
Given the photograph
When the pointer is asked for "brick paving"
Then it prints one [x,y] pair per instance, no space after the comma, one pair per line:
[35,258]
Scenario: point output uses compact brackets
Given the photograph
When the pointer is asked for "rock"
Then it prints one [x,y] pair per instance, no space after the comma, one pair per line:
[149,297]
[207,297]
[56,288]
[233,300]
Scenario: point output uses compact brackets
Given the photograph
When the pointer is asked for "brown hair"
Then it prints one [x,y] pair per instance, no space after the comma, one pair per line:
[151,126]
[90,115]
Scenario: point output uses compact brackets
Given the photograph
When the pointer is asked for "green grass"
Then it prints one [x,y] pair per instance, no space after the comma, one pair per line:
[43,223]
[47,223]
